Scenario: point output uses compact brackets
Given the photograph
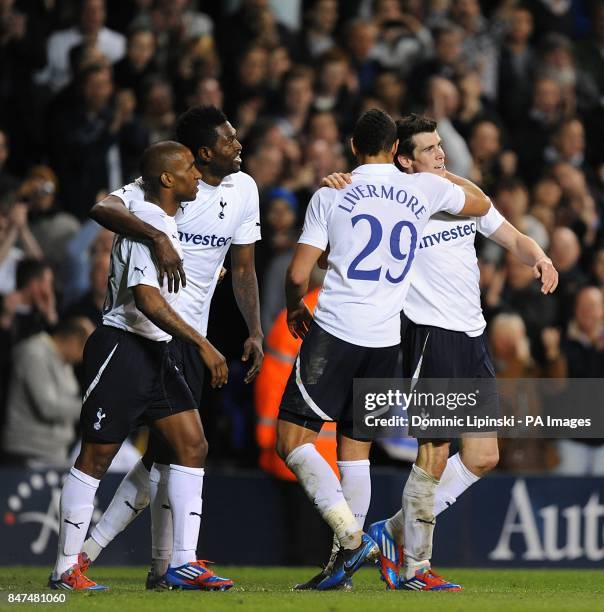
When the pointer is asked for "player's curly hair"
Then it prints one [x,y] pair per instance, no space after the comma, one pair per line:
[196,127]
[407,128]
[375,131]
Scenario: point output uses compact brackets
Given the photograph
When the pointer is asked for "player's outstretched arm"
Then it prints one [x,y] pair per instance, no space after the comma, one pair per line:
[151,303]
[245,289]
[529,252]
[113,215]
[299,316]
[477,202]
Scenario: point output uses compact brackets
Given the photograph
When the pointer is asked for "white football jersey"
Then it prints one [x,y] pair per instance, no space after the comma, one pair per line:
[445,278]
[132,265]
[373,227]
[218,217]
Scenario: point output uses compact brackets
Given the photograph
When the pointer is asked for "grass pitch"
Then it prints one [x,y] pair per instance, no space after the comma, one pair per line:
[261,589]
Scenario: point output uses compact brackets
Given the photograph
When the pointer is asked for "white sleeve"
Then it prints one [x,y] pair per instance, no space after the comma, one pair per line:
[141,267]
[443,195]
[248,231]
[314,232]
[130,192]
[490,222]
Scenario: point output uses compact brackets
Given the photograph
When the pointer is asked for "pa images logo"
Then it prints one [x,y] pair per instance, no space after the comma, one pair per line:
[36,500]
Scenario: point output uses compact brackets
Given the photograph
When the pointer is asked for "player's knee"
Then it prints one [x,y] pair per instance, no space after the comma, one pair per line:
[483,463]
[192,451]
[94,464]
[284,447]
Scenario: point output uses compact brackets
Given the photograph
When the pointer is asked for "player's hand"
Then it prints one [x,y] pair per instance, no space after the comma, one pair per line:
[216,363]
[299,320]
[544,269]
[223,273]
[253,347]
[336,180]
[169,263]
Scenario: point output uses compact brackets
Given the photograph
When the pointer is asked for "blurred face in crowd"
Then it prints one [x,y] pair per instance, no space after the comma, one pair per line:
[521,25]
[507,334]
[98,88]
[570,140]
[484,142]
[3,149]
[158,101]
[512,202]
[208,93]
[324,15]
[391,90]
[266,165]
[141,48]
[298,94]
[589,309]
[565,249]
[547,96]
[324,125]
[93,16]
[446,92]
[598,267]
[333,76]
[465,11]
[279,63]
[470,86]
[387,10]
[448,46]
[520,275]
[361,39]
[547,193]
[428,154]
[253,67]
[39,188]
[280,216]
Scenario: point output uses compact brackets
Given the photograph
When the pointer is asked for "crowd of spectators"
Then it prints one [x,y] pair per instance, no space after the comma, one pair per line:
[516,86]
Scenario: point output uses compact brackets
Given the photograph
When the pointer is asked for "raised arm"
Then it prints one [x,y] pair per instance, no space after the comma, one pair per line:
[245,289]
[477,202]
[529,252]
[150,302]
[113,215]
[299,316]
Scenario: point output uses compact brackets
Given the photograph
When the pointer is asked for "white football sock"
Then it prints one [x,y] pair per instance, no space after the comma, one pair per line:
[455,480]
[184,492]
[131,497]
[162,535]
[324,489]
[418,510]
[356,486]
[76,506]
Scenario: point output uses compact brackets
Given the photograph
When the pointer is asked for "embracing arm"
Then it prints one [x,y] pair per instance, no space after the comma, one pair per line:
[150,302]
[245,289]
[296,287]
[529,252]
[113,215]
[477,202]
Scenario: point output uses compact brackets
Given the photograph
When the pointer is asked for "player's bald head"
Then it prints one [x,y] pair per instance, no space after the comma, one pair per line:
[165,156]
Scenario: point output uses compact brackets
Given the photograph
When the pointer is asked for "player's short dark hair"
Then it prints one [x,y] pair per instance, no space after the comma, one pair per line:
[375,131]
[28,270]
[196,127]
[156,159]
[407,128]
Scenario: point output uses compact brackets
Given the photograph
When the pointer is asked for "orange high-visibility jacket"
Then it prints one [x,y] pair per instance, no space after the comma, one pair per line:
[280,352]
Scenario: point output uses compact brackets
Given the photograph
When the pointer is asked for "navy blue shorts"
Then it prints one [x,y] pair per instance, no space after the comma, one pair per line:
[320,387]
[128,380]
[432,352]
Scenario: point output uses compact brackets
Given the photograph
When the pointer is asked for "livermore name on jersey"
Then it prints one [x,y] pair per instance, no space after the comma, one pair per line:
[132,265]
[445,289]
[206,228]
[373,228]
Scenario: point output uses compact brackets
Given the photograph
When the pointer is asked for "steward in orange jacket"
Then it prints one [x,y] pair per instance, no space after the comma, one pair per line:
[280,352]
